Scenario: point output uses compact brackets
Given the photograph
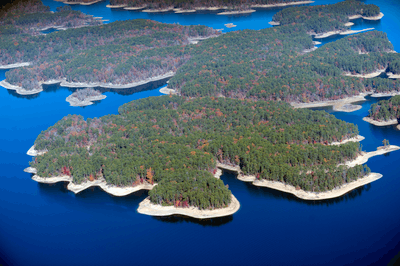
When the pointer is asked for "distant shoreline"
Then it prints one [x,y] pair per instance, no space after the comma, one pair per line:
[214,8]
[79,3]
[64,83]
[148,208]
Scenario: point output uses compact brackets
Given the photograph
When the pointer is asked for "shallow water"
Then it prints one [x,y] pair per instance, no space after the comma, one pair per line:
[48,225]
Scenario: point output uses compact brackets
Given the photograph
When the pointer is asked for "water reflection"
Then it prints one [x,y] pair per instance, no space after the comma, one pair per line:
[28,97]
[276,194]
[204,222]
[238,186]
[53,88]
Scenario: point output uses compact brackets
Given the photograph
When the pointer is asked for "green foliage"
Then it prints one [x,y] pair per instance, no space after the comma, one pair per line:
[324,18]
[385,110]
[175,139]
[194,188]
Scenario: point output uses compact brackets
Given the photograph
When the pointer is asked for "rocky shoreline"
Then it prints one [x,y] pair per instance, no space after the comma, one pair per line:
[148,208]
[215,8]
[341,105]
[381,123]
[308,195]
[87,100]
[64,83]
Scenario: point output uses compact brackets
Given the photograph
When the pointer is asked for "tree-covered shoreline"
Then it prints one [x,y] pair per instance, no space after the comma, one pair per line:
[385,110]
[325,18]
[163,139]
[196,4]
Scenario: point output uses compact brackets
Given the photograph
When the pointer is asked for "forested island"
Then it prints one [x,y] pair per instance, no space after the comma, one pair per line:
[231,110]
[231,7]
[177,142]
[274,66]
[20,20]
[322,19]
[385,112]
[85,97]
[121,54]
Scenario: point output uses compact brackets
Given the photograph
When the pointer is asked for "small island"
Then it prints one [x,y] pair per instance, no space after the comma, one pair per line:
[85,97]
[385,112]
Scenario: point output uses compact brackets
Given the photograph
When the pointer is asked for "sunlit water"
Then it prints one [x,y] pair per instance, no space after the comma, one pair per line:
[48,225]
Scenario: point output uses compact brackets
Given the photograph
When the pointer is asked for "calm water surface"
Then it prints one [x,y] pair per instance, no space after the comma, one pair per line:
[48,225]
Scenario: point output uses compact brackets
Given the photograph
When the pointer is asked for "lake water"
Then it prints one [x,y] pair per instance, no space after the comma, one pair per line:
[49,225]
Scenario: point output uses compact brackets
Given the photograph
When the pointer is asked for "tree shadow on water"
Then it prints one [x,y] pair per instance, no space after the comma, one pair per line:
[93,195]
[276,194]
[204,222]
[264,192]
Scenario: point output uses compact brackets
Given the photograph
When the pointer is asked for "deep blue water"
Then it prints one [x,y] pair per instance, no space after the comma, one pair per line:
[48,225]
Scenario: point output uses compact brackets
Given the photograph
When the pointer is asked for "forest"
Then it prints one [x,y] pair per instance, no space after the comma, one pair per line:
[276,63]
[28,17]
[325,18]
[385,110]
[171,139]
[274,66]
[120,52]
[192,4]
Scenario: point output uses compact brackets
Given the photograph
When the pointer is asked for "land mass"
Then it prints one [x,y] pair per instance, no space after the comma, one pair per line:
[234,7]
[309,195]
[385,112]
[148,208]
[85,97]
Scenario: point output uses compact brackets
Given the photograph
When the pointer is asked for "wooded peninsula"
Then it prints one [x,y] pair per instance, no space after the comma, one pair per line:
[231,108]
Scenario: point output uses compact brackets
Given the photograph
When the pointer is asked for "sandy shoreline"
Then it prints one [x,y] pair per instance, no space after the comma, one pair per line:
[393,76]
[116,6]
[361,159]
[306,195]
[88,101]
[338,105]
[385,94]
[148,208]
[336,192]
[369,75]
[215,8]
[367,18]
[81,3]
[283,4]
[135,8]
[168,91]
[10,66]
[347,32]
[33,152]
[274,23]
[18,89]
[381,123]
[358,138]
[64,83]
[237,12]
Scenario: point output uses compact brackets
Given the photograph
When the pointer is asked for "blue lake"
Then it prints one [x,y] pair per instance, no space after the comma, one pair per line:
[48,225]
